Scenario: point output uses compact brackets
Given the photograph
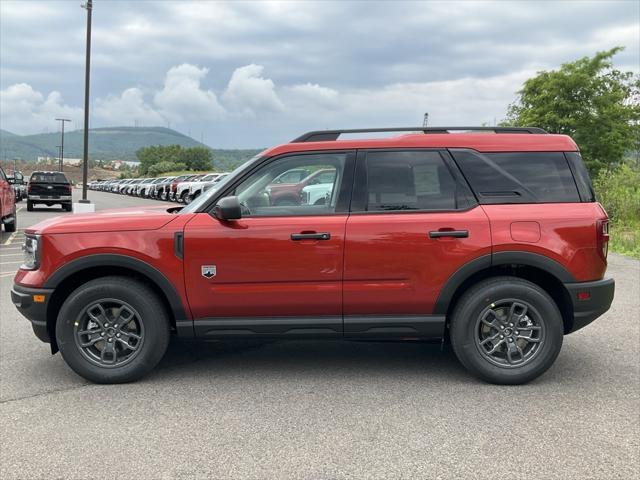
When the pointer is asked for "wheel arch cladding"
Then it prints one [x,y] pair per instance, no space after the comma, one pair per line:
[73,274]
[544,272]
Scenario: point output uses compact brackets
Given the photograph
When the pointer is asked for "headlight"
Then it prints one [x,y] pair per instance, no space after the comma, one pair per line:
[31,250]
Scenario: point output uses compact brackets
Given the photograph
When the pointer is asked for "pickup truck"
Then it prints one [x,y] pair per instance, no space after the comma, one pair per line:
[49,188]
[7,204]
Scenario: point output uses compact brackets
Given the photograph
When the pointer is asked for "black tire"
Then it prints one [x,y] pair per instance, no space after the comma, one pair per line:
[11,226]
[486,297]
[29,206]
[152,316]
[67,207]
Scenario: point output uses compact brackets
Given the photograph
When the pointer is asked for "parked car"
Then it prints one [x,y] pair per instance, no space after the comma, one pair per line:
[182,188]
[316,194]
[288,193]
[19,187]
[8,214]
[49,188]
[491,241]
[158,189]
[130,188]
[144,186]
[174,186]
[217,183]
[195,188]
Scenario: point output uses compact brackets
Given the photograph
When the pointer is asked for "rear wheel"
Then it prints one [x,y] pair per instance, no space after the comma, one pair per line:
[112,330]
[506,330]
[67,207]
[29,206]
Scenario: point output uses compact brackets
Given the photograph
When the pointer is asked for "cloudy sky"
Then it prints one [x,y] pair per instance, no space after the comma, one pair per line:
[252,74]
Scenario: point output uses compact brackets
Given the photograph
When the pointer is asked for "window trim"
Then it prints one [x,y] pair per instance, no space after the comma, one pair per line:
[344,196]
[466,200]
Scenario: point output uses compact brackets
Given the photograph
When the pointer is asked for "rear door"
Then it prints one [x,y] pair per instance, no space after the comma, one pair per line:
[413,223]
[277,270]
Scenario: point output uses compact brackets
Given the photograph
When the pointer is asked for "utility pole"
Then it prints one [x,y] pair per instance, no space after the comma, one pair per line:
[62,122]
[59,155]
[85,158]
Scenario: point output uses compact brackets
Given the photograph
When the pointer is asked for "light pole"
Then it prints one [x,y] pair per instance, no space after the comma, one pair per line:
[85,158]
[62,121]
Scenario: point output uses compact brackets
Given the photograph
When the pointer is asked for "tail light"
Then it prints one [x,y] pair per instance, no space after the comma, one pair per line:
[29,187]
[603,237]
[70,188]
[174,185]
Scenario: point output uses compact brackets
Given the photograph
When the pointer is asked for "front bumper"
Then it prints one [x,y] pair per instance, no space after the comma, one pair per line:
[590,300]
[24,299]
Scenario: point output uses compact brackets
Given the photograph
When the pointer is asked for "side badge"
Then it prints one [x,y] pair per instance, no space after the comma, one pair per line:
[208,271]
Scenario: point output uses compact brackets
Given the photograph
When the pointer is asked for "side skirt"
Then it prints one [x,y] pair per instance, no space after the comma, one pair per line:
[351,327]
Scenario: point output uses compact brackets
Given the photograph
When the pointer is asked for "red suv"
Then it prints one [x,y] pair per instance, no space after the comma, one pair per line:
[490,238]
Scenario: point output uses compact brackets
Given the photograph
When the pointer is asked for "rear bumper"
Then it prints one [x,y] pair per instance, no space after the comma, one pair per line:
[35,312]
[600,295]
[47,198]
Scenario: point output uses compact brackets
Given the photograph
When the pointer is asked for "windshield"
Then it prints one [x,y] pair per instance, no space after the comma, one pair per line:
[202,199]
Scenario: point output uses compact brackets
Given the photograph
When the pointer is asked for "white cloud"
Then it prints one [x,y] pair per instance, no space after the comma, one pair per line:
[25,110]
[129,108]
[183,99]
[312,94]
[249,93]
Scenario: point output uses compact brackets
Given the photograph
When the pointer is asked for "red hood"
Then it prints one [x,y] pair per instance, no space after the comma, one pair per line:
[123,219]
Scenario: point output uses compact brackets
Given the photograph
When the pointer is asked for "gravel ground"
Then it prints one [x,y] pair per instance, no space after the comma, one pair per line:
[323,409]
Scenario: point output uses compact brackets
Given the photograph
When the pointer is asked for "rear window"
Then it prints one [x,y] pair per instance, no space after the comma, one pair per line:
[48,178]
[518,177]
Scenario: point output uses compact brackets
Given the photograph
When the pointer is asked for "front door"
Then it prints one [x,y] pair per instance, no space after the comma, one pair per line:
[278,270]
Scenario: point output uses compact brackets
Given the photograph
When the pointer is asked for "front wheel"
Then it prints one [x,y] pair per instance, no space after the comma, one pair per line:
[112,330]
[506,330]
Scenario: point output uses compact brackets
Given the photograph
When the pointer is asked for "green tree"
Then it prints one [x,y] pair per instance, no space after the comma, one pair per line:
[197,158]
[151,155]
[597,105]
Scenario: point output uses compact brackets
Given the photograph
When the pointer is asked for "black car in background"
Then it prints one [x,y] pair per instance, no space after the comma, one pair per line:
[49,188]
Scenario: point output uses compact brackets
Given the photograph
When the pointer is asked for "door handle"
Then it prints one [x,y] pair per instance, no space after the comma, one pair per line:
[310,236]
[449,233]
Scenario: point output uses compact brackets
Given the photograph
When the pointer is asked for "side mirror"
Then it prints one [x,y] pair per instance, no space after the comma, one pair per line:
[11,180]
[228,208]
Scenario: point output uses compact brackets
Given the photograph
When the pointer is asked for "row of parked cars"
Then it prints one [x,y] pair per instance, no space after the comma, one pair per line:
[182,189]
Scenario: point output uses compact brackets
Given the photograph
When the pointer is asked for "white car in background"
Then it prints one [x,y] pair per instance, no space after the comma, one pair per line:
[182,190]
[197,188]
[318,194]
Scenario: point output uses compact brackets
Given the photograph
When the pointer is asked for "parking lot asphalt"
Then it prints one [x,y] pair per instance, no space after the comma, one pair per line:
[321,409]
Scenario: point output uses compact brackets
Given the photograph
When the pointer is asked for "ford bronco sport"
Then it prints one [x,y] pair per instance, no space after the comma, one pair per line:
[489,238]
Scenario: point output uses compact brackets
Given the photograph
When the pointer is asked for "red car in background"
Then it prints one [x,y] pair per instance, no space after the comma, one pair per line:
[8,216]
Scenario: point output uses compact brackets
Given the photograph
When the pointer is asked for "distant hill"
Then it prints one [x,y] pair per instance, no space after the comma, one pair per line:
[104,143]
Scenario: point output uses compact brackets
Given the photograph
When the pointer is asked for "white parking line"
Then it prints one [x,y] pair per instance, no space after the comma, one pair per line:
[10,263]
[10,238]
[2,255]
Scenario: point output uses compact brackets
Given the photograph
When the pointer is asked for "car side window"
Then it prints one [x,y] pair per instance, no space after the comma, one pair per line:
[408,180]
[262,196]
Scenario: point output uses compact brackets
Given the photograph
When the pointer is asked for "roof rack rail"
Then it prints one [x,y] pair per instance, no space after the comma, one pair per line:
[332,135]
